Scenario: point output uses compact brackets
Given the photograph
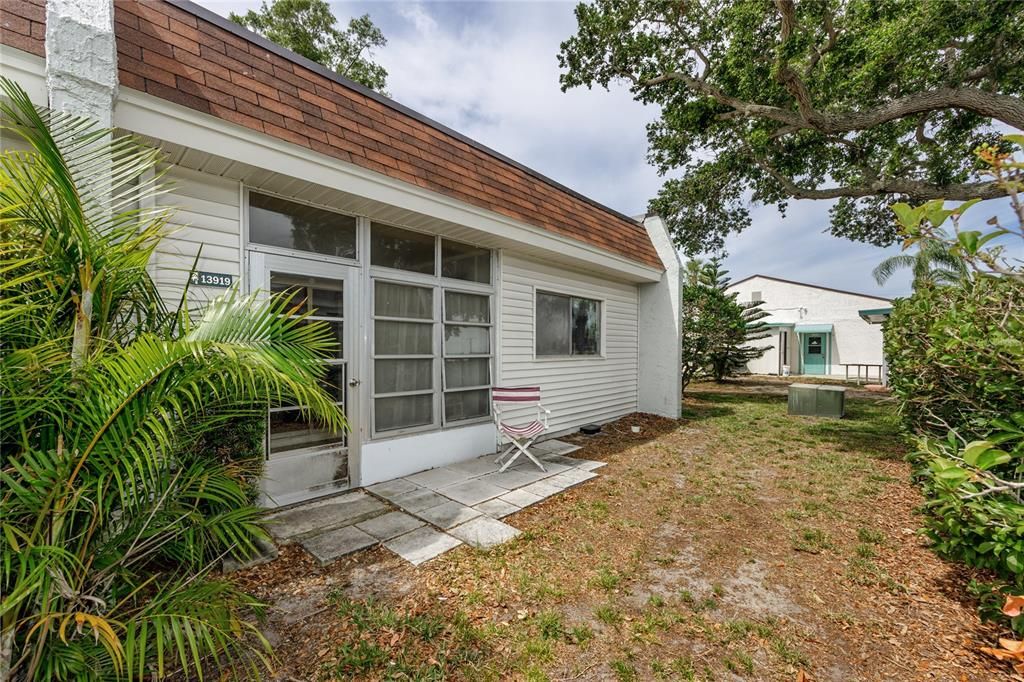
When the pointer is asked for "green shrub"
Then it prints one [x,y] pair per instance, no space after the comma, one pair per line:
[956,355]
[238,443]
[956,368]
[115,505]
[970,516]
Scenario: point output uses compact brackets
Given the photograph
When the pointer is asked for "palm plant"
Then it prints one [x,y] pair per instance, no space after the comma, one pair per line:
[933,264]
[109,524]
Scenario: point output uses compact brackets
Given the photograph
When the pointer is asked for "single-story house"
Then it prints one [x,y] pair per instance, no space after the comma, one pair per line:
[444,267]
[815,329]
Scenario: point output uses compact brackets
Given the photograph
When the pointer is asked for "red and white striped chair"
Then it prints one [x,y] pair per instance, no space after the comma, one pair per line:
[522,435]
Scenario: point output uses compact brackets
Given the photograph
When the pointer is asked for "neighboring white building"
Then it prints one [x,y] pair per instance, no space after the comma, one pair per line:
[815,329]
[444,267]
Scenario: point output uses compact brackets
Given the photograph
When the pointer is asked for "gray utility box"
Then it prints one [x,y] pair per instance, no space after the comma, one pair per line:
[817,400]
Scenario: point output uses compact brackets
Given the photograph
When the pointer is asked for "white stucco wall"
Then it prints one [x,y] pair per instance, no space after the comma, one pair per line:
[659,320]
[853,340]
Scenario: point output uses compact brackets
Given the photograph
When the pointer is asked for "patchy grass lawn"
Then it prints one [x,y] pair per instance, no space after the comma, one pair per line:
[737,543]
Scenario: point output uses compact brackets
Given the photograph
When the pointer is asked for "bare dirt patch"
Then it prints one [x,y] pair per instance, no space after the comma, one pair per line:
[738,543]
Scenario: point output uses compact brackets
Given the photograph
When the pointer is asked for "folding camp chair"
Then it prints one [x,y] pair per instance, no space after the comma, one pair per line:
[521,436]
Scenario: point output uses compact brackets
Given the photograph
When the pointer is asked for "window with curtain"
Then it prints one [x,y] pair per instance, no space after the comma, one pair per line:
[403,364]
[429,368]
[567,325]
[467,355]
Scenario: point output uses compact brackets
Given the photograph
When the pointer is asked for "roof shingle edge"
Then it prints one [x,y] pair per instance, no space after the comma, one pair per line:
[284,53]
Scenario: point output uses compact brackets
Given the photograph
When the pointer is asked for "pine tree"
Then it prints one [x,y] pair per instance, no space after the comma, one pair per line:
[747,326]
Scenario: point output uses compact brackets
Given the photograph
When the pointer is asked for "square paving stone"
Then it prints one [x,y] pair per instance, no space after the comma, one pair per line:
[511,479]
[478,466]
[472,492]
[496,508]
[448,514]
[542,489]
[422,544]
[557,447]
[570,462]
[421,498]
[590,465]
[334,544]
[390,525]
[392,489]
[520,498]
[438,478]
[484,532]
[551,468]
[568,479]
[333,512]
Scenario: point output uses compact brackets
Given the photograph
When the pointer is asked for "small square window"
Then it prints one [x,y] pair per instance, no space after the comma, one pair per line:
[393,247]
[462,261]
[567,325]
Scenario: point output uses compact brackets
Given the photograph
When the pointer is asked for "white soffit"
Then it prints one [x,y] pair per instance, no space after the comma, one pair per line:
[263,162]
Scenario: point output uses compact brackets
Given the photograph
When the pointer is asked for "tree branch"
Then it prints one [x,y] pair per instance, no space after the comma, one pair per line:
[1005,108]
[833,36]
[919,191]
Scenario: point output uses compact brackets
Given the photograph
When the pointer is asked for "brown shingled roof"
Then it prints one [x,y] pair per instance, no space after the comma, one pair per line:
[183,53]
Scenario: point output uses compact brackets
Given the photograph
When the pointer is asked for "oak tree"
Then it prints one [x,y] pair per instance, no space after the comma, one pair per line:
[863,102]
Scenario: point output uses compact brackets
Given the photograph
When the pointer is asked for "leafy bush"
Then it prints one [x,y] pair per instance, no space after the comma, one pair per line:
[956,367]
[972,515]
[113,511]
[956,355]
[238,443]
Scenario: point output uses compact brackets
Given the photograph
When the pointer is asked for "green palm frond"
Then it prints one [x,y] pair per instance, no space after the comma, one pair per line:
[109,523]
[933,263]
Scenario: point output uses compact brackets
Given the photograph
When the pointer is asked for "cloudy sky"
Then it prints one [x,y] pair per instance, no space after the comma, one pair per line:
[489,70]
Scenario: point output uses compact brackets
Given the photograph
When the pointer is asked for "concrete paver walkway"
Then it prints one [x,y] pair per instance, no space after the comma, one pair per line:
[421,516]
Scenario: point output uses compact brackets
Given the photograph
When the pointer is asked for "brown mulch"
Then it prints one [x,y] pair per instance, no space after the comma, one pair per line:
[693,535]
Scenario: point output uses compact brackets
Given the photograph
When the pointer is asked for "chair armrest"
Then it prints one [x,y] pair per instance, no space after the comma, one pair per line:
[542,414]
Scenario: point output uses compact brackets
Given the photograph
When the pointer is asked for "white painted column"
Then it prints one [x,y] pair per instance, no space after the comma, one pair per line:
[81,58]
[660,359]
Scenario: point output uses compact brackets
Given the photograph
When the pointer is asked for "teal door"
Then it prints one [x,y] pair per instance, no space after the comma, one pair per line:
[814,353]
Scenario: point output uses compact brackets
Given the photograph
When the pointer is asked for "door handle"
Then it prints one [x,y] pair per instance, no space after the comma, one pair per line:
[354,382]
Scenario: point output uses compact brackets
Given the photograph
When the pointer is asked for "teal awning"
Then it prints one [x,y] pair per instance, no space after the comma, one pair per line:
[875,315]
[813,329]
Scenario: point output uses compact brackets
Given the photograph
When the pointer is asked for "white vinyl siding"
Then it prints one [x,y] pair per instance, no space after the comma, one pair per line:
[206,214]
[580,389]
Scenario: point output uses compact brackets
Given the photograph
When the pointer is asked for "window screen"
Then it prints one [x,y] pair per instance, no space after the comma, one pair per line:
[403,364]
[462,261]
[467,355]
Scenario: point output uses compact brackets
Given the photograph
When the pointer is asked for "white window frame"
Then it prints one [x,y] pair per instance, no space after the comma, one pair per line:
[309,255]
[439,285]
[489,325]
[570,294]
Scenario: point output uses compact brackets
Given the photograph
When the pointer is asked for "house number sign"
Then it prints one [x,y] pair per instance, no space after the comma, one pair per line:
[212,279]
